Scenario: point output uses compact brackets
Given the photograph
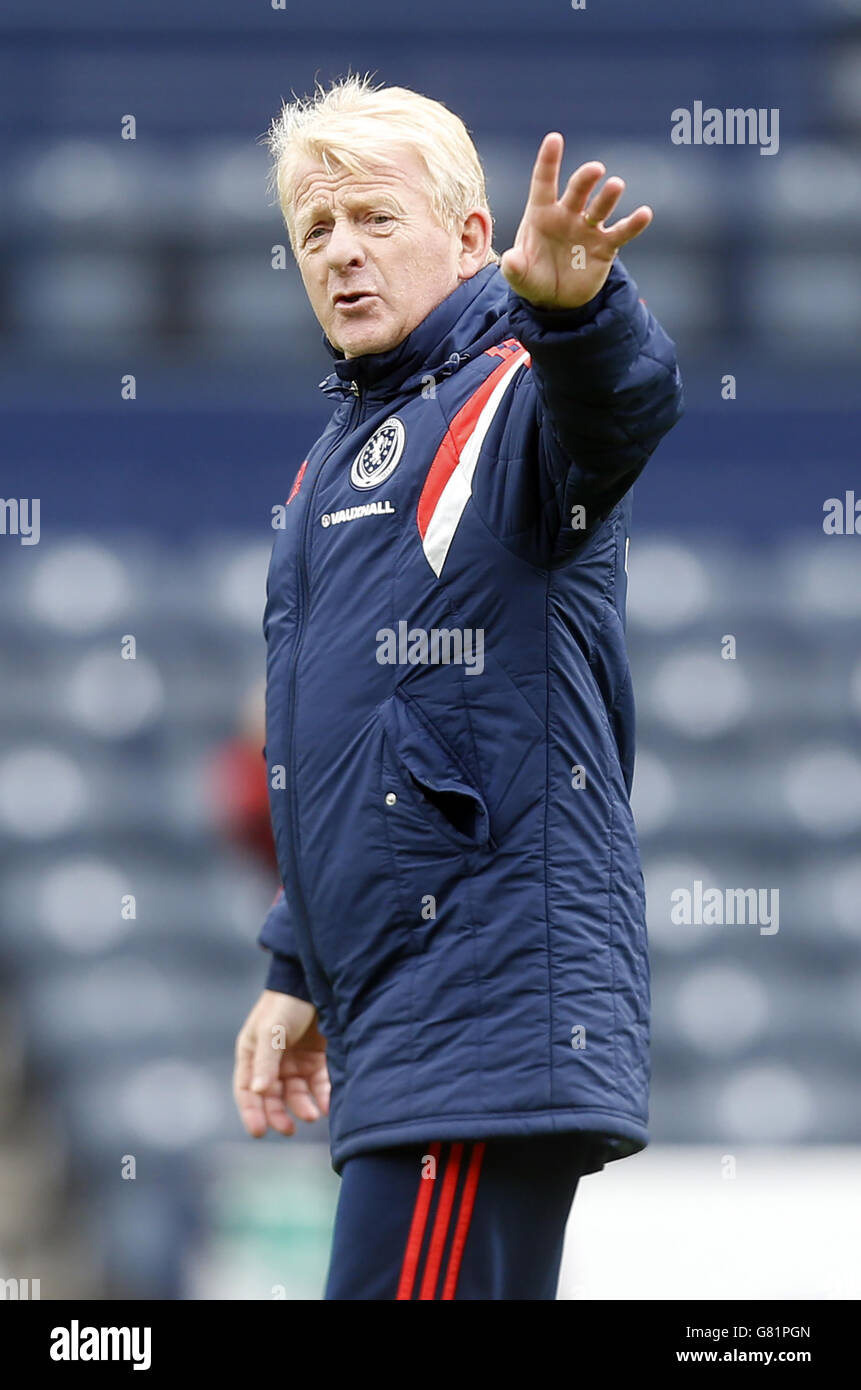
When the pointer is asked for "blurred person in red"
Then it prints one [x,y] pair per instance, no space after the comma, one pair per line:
[236,790]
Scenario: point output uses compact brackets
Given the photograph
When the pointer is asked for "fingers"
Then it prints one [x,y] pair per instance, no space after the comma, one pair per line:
[604,201]
[276,1111]
[545,172]
[543,192]
[321,1087]
[251,1112]
[307,1097]
[250,1105]
[257,1089]
[298,1096]
[581,184]
[307,1088]
[628,227]
[267,1086]
[270,1107]
[267,1059]
[272,1075]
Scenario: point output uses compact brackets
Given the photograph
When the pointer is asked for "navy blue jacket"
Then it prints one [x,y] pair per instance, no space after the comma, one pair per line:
[450,724]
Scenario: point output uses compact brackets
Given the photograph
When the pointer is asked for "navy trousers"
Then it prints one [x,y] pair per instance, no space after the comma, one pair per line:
[457,1220]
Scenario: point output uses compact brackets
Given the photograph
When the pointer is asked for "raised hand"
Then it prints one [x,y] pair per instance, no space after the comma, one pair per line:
[562,253]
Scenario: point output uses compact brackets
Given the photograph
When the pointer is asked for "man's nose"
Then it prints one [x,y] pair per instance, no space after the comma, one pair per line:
[344,246]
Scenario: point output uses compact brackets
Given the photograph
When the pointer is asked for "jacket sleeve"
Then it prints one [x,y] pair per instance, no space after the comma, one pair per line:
[603,388]
[285,973]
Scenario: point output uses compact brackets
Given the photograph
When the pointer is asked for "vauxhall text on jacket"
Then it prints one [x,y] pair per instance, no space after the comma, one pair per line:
[450,724]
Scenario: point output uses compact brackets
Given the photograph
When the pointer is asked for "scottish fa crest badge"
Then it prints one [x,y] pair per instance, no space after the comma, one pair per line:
[378,459]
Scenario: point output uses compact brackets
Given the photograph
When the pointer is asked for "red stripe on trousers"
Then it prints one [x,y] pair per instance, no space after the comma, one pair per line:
[417,1230]
[433,1259]
[461,1230]
[448,453]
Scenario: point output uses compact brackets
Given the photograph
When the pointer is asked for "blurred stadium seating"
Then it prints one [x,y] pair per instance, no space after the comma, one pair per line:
[747,774]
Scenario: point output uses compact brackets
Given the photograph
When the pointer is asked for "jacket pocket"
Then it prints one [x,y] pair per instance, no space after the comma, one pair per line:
[432,779]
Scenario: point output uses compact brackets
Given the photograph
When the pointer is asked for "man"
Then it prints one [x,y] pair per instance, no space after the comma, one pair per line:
[460,944]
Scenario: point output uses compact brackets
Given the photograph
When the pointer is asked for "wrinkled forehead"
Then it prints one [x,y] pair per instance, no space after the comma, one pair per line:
[400,176]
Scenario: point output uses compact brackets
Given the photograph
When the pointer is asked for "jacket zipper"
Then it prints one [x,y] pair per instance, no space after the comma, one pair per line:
[353,419]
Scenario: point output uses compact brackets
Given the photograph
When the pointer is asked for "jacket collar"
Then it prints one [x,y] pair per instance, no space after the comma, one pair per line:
[448,336]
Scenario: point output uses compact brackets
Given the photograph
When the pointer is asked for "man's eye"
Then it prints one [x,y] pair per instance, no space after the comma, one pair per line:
[381,217]
[313,233]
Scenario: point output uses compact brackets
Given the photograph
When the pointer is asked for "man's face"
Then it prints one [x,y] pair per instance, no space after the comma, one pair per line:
[373,258]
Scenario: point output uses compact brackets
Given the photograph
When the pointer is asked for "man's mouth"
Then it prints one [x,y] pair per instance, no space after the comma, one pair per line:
[345,299]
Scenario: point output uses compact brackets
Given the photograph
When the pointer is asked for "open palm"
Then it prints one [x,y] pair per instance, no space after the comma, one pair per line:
[562,253]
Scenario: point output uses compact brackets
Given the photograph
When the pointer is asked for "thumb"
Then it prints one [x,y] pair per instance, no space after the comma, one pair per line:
[267,1061]
[513,266]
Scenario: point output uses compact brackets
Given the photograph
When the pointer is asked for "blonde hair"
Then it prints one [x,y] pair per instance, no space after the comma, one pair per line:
[355,125]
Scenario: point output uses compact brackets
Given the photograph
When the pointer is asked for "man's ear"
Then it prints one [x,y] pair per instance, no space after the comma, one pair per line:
[475,241]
